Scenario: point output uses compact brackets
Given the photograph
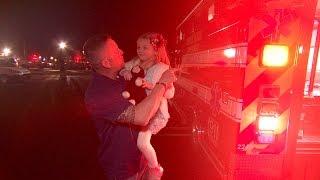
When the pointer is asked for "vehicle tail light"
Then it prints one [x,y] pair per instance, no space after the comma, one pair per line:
[268,123]
[267,127]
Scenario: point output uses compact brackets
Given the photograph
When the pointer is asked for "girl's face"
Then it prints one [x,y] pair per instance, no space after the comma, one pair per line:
[145,50]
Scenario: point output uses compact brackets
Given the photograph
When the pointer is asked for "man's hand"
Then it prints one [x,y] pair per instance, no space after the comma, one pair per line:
[168,76]
[149,106]
[146,84]
[127,75]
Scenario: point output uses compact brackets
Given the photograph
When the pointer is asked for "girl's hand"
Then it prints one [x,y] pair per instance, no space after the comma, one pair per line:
[168,76]
[127,75]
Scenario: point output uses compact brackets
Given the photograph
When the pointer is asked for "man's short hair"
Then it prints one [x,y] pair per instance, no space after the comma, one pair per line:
[91,48]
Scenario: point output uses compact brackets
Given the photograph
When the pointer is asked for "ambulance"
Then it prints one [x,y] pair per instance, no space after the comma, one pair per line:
[249,84]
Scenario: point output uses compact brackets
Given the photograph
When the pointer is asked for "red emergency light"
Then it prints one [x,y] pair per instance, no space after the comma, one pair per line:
[34,57]
[230,53]
[274,55]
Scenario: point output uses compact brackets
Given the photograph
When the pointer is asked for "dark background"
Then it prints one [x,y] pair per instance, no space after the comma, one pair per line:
[38,25]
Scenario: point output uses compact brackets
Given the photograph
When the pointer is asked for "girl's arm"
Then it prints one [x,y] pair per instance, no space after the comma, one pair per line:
[126,71]
[130,64]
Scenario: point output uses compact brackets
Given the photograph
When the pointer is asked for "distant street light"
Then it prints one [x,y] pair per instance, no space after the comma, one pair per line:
[62,56]
[62,45]
[6,51]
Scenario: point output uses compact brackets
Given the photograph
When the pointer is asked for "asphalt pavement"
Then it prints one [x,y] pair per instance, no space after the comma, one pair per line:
[45,133]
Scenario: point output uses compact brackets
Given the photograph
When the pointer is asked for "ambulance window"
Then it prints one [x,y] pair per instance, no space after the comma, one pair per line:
[211,13]
[188,28]
[221,8]
[316,85]
[179,37]
[200,20]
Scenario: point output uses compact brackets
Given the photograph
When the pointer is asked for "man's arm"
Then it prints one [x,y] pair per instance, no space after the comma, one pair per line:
[142,112]
[148,107]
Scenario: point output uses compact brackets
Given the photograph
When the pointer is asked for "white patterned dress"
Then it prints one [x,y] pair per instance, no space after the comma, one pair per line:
[153,75]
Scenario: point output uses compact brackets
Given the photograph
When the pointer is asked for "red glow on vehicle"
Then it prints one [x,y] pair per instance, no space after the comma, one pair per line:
[78,58]
[34,57]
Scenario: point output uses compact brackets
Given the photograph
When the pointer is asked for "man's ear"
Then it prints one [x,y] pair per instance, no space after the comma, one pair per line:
[106,63]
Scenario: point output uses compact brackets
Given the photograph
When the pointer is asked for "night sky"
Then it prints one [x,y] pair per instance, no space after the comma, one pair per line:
[38,25]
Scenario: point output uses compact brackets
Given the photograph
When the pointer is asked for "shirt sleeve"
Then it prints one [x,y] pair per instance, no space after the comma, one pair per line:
[129,65]
[127,116]
[107,109]
[154,76]
[156,73]
[132,63]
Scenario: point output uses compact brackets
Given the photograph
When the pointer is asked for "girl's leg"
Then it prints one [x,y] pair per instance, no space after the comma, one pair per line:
[144,145]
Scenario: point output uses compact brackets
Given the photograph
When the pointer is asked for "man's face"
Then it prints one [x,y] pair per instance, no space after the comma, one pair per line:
[145,50]
[112,54]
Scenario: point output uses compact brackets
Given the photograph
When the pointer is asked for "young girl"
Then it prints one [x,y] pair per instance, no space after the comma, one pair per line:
[153,59]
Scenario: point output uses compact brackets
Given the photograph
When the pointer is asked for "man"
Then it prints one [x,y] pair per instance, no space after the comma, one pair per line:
[117,121]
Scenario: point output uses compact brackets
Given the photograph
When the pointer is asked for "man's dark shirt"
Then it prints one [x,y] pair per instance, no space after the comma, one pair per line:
[118,153]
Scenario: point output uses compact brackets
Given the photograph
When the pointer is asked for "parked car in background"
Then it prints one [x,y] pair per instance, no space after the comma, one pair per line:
[10,71]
